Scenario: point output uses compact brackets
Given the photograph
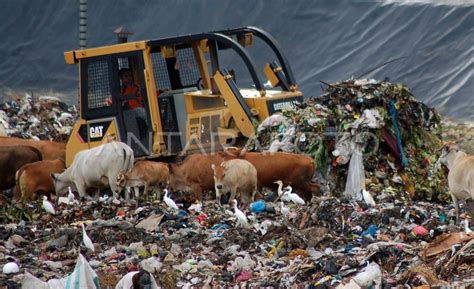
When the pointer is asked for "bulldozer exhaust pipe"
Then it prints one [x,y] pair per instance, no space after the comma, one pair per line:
[82,24]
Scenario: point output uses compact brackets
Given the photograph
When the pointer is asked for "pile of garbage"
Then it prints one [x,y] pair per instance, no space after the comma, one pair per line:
[44,118]
[327,244]
[364,134]
[331,242]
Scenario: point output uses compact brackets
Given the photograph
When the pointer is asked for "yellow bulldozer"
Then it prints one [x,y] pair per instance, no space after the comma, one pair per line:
[188,101]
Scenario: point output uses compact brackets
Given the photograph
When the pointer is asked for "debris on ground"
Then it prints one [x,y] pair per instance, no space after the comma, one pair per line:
[330,242]
[406,237]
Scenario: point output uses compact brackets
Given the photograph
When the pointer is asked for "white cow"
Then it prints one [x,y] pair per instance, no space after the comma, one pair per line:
[460,176]
[239,177]
[96,168]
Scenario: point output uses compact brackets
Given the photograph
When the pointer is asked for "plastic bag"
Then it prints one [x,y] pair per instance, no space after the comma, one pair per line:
[127,281]
[82,277]
[356,175]
[370,275]
[273,120]
[370,118]
[343,149]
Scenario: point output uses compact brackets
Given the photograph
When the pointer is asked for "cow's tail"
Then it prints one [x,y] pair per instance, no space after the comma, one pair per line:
[18,185]
[37,152]
[128,160]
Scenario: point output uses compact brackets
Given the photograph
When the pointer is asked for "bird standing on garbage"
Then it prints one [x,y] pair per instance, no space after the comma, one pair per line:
[280,188]
[292,197]
[169,202]
[281,192]
[288,189]
[368,198]
[466,227]
[48,207]
[241,218]
[87,241]
[70,196]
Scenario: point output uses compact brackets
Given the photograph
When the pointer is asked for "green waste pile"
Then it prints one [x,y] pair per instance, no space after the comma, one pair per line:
[379,129]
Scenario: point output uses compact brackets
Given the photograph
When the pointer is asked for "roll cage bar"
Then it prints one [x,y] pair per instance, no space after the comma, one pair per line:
[223,38]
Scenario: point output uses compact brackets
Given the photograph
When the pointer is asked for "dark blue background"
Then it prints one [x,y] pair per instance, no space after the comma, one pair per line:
[324,40]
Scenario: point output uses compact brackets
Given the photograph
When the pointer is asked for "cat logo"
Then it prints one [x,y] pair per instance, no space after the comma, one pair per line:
[96,131]
[93,132]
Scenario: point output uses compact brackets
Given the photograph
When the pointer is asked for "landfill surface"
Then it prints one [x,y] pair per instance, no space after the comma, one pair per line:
[336,240]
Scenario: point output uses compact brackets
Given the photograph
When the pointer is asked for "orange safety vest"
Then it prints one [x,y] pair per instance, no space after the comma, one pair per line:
[132,89]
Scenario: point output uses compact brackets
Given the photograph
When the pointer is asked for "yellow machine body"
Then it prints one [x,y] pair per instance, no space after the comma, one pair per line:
[188,105]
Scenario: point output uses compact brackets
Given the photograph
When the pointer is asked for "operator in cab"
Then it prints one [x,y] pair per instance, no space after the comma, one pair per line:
[129,91]
[132,104]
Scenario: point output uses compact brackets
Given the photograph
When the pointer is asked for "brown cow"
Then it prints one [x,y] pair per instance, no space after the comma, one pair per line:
[35,179]
[292,169]
[11,159]
[49,149]
[195,172]
[143,174]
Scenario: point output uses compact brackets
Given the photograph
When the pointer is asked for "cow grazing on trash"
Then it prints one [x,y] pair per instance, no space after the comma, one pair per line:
[33,180]
[195,172]
[238,177]
[13,158]
[460,176]
[147,174]
[292,169]
[50,150]
[95,169]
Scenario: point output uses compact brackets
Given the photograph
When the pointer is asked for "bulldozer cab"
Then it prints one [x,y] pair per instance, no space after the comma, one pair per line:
[104,100]
[170,95]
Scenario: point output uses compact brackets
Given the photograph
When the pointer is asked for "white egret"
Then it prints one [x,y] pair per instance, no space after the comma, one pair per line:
[87,241]
[466,227]
[48,207]
[169,202]
[70,196]
[241,218]
[280,190]
[293,197]
[288,189]
[368,198]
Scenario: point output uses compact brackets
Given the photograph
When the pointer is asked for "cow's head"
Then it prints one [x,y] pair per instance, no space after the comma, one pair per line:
[60,186]
[122,178]
[448,153]
[176,179]
[219,174]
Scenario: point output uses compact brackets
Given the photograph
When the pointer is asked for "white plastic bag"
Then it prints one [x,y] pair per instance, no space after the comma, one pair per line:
[83,277]
[371,274]
[127,281]
[272,120]
[355,182]
[343,149]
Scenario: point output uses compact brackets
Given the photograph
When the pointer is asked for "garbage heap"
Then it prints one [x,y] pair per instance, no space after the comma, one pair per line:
[326,244]
[363,134]
[43,118]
